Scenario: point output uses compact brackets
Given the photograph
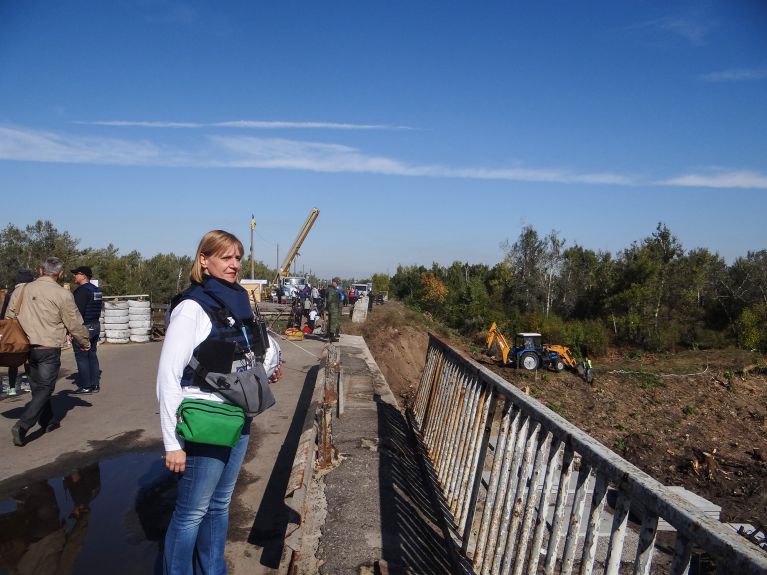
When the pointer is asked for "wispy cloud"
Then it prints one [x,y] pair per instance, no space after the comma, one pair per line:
[691,28]
[245,124]
[40,146]
[719,178]
[248,152]
[736,75]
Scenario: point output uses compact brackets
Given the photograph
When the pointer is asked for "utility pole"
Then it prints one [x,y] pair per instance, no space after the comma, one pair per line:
[252,260]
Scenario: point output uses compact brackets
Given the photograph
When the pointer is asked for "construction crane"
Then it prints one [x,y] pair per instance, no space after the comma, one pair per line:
[285,267]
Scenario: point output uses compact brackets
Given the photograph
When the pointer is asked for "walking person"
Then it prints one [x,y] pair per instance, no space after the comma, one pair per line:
[46,313]
[88,300]
[22,277]
[333,305]
[316,296]
[213,313]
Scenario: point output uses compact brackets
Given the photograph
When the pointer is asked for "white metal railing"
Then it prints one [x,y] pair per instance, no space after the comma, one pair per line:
[528,492]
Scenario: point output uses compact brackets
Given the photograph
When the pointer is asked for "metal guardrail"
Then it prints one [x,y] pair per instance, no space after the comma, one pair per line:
[529,492]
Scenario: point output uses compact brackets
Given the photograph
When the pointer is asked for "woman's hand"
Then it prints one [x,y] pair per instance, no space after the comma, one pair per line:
[277,374]
[175,460]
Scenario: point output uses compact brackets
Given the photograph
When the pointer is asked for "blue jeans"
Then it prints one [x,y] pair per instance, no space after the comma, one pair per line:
[196,535]
[44,363]
[88,369]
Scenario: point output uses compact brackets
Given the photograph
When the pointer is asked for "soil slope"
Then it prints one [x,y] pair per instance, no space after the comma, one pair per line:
[695,419]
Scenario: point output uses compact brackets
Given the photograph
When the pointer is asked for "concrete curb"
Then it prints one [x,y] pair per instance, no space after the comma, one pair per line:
[300,479]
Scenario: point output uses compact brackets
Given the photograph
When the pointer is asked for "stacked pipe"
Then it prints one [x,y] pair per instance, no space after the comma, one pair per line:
[139,320]
[116,321]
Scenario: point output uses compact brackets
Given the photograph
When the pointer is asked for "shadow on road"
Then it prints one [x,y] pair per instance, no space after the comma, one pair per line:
[412,533]
[272,518]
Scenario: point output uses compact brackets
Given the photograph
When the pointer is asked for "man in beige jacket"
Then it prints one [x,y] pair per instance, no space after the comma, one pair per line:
[46,314]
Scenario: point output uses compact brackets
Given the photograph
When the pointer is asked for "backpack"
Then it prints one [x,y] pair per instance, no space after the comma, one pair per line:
[14,343]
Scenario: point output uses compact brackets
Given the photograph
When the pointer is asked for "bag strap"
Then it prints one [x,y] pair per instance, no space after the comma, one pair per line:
[202,372]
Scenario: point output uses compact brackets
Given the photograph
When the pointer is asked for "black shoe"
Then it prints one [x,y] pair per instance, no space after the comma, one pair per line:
[52,426]
[19,436]
[82,391]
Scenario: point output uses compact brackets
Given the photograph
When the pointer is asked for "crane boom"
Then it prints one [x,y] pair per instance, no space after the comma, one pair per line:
[285,268]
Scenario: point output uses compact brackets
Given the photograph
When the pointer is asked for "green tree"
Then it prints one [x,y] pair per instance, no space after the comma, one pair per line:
[642,286]
[27,248]
[406,284]
[752,327]
[525,259]
[380,283]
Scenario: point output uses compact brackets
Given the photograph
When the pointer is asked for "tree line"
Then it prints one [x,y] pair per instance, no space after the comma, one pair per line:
[161,276]
[650,296]
[653,295]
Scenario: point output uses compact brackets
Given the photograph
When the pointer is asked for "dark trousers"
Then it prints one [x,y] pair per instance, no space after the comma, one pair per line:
[13,374]
[88,369]
[44,364]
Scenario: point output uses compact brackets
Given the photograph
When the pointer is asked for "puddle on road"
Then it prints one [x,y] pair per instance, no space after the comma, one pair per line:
[107,517]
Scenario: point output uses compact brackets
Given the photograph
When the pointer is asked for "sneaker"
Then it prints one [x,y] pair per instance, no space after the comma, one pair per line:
[12,391]
[19,436]
[25,387]
[97,389]
[82,391]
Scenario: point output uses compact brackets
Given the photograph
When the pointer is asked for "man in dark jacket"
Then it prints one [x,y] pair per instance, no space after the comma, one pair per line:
[88,301]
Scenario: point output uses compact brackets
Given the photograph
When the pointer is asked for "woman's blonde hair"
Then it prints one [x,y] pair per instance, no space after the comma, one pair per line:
[214,243]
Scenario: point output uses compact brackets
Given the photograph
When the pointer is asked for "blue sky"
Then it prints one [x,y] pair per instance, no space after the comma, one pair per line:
[423,131]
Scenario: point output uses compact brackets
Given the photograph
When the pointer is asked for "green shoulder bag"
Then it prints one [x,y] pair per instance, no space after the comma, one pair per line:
[211,422]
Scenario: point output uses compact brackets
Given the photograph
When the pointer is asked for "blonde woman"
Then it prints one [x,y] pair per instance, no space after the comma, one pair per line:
[212,311]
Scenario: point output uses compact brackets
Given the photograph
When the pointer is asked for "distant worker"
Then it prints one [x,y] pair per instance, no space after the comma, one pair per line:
[306,299]
[323,291]
[333,304]
[370,300]
[88,301]
[312,320]
[47,312]
[587,369]
[316,296]
[296,313]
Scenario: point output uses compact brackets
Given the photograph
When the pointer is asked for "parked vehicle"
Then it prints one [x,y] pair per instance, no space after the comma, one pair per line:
[291,285]
[362,289]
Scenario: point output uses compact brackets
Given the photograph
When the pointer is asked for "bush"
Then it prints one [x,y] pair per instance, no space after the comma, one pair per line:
[752,327]
[587,337]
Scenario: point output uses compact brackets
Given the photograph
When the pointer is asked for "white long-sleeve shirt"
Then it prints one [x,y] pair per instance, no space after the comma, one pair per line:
[189,326]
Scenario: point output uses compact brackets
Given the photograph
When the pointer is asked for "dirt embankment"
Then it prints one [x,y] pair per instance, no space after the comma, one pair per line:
[695,419]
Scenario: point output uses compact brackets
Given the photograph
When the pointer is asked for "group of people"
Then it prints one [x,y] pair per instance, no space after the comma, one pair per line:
[49,315]
[214,309]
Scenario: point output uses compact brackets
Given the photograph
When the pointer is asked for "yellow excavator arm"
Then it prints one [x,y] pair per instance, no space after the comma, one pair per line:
[496,339]
[293,252]
[564,352]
